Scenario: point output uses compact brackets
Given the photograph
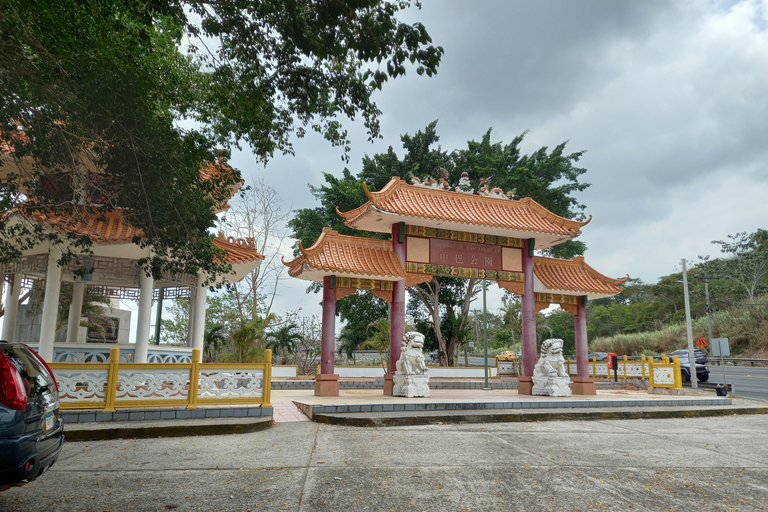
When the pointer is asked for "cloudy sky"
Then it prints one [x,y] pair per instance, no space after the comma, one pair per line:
[668,98]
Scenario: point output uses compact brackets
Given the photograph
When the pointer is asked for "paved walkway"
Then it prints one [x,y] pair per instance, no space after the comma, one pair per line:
[284,410]
[690,464]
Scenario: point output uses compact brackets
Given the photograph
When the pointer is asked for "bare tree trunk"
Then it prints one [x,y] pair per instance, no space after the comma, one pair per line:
[258,217]
[429,293]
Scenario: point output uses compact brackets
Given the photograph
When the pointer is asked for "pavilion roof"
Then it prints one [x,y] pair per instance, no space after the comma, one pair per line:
[110,227]
[346,256]
[573,277]
[102,227]
[239,250]
[400,202]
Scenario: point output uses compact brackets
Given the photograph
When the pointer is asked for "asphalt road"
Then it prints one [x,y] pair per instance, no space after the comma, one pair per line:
[640,465]
[748,381]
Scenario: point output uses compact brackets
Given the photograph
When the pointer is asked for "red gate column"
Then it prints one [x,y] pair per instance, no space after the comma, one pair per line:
[583,384]
[525,382]
[397,311]
[327,383]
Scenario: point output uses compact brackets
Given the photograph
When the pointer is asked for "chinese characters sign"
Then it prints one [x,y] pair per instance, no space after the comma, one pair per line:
[464,254]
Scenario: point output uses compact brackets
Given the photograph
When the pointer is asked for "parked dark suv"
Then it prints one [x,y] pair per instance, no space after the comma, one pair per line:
[702,372]
[699,355]
[31,430]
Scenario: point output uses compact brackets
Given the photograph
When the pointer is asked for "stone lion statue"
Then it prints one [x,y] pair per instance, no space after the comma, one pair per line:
[411,357]
[551,363]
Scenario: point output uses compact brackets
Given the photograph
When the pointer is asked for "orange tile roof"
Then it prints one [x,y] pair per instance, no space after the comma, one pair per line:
[239,250]
[106,227]
[400,198]
[7,148]
[559,275]
[352,256]
[110,227]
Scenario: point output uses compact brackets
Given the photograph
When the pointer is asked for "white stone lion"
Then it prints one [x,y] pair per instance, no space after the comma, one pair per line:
[551,363]
[412,359]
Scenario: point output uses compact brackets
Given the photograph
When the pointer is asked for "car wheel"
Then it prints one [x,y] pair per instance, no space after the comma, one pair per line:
[686,376]
[704,378]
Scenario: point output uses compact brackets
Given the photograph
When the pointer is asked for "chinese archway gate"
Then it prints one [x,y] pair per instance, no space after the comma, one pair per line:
[437,231]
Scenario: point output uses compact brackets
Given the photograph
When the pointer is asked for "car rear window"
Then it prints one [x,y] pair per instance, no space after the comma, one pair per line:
[32,371]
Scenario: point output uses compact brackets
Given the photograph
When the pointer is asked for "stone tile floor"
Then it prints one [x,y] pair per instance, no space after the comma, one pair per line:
[285,411]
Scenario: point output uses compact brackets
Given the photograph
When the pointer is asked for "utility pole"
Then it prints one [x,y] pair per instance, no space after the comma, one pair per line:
[706,277]
[689,328]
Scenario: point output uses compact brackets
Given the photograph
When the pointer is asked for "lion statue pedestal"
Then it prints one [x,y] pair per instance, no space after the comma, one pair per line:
[412,376]
[550,377]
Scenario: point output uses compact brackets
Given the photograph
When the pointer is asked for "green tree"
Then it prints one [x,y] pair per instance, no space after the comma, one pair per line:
[284,338]
[176,325]
[561,323]
[131,98]
[378,339]
[747,261]
[214,341]
[351,338]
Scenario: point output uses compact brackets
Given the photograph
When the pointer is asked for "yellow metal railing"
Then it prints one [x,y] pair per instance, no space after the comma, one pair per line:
[665,373]
[509,365]
[660,374]
[115,384]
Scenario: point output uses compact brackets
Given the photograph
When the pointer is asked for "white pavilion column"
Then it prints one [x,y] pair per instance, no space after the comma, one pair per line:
[12,309]
[50,307]
[75,312]
[190,320]
[145,316]
[198,315]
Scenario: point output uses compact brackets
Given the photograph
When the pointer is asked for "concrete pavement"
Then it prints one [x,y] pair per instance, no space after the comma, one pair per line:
[703,464]
[372,408]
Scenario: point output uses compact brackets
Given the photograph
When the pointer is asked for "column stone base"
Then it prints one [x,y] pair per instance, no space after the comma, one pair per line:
[389,384]
[524,385]
[583,386]
[327,384]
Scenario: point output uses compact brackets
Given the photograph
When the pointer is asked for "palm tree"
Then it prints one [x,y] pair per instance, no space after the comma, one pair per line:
[214,339]
[512,316]
[284,338]
[247,341]
[379,340]
[351,337]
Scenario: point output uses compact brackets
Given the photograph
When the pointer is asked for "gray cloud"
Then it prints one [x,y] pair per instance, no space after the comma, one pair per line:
[667,98]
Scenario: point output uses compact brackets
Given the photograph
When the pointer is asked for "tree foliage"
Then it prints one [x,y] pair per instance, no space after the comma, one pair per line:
[746,262]
[128,99]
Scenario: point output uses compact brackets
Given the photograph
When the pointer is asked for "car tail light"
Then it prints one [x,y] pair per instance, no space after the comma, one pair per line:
[46,367]
[13,394]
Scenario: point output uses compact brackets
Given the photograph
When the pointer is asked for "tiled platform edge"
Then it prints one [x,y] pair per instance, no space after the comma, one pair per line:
[347,384]
[552,404]
[85,416]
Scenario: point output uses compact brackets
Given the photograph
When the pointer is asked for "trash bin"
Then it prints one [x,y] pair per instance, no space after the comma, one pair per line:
[721,390]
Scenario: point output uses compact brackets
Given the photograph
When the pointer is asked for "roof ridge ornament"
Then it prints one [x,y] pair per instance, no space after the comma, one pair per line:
[248,242]
[495,192]
[463,187]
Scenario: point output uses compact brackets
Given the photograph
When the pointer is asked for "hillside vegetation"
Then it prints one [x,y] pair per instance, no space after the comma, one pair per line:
[745,325]
[651,317]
